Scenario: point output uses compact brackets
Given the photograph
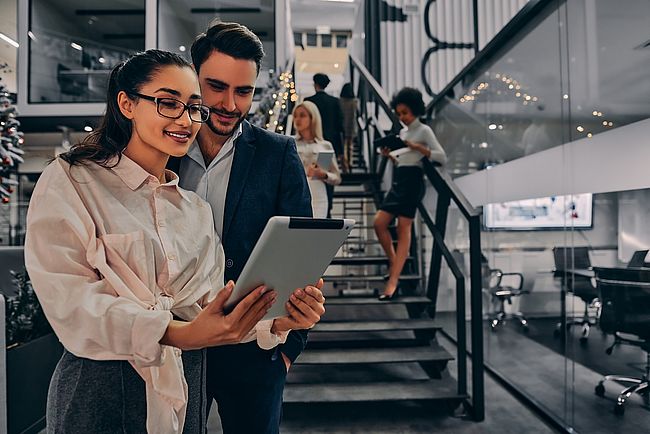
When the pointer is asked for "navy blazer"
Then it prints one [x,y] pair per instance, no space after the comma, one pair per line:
[332,117]
[267,179]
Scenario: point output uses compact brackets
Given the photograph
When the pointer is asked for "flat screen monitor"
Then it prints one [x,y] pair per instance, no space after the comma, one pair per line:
[555,212]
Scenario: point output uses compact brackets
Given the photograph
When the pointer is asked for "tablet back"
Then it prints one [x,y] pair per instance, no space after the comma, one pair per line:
[292,252]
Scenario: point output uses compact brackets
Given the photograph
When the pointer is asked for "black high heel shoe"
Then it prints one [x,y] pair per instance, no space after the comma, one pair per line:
[386,297]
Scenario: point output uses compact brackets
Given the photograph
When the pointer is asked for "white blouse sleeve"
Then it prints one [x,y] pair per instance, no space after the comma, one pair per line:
[84,310]
[333,172]
[438,154]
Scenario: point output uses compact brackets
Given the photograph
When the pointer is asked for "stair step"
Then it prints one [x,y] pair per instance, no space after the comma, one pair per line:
[360,260]
[428,390]
[347,301]
[352,194]
[374,355]
[358,178]
[375,326]
[338,278]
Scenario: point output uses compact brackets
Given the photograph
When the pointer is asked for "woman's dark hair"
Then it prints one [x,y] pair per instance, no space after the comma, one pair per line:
[112,136]
[410,97]
[232,39]
[347,91]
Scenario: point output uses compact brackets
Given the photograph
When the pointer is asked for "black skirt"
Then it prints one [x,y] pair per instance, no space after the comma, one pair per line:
[405,193]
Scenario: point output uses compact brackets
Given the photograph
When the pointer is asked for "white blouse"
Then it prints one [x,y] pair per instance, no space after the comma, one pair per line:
[112,253]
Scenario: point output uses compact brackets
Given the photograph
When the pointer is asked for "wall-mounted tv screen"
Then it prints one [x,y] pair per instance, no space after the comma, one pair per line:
[555,212]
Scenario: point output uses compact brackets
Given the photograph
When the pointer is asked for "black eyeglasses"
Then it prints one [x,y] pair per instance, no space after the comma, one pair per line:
[172,108]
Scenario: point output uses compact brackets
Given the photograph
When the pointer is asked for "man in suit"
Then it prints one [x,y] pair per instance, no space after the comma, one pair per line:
[332,116]
[248,175]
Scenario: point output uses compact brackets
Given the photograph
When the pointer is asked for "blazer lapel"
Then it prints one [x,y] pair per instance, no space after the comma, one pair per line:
[241,164]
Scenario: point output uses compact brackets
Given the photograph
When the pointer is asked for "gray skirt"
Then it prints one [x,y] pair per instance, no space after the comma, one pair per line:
[89,396]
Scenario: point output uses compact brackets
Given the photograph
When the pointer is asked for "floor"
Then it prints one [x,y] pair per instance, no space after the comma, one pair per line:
[624,360]
[504,415]
[563,387]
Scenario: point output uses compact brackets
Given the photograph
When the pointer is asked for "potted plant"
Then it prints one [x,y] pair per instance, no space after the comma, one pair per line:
[32,354]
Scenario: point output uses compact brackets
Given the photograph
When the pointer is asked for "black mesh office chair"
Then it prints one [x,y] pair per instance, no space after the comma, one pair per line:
[503,287]
[568,260]
[638,259]
[625,313]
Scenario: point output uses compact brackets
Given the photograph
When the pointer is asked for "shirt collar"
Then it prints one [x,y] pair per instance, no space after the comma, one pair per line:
[133,175]
[194,152]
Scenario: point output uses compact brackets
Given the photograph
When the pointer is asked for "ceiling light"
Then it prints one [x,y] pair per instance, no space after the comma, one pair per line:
[101,60]
[182,48]
[580,128]
[31,35]
[76,46]
[492,127]
[8,40]
[88,128]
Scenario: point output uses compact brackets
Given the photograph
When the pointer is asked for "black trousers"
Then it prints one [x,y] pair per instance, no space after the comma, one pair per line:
[247,383]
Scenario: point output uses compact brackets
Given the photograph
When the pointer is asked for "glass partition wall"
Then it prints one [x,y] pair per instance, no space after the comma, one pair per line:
[549,135]
[68,47]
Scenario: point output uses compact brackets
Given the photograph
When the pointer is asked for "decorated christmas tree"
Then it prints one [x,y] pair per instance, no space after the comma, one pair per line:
[10,141]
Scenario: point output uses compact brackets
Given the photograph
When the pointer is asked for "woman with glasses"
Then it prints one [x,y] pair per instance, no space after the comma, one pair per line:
[127,266]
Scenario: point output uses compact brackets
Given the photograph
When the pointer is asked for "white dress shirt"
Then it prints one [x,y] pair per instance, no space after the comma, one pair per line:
[210,183]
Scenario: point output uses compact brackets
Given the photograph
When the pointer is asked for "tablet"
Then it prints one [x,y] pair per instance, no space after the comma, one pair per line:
[324,159]
[291,253]
[391,141]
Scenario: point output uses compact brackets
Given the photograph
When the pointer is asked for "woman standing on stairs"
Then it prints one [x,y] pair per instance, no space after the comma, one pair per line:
[407,189]
[309,140]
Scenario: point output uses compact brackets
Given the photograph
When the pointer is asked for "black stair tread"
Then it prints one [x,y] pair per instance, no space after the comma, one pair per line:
[358,177]
[345,301]
[374,355]
[339,278]
[361,260]
[371,392]
[352,194]
[375,326]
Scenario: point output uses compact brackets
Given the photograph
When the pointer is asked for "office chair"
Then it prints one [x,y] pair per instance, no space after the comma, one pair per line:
[568,259]
[503,287]
[638,259]
[625,313]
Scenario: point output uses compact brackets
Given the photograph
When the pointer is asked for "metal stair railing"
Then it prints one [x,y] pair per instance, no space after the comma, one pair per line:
[373,103]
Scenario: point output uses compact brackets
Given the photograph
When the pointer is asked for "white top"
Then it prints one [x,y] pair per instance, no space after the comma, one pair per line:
[210,183]
[308,152]
[417,132]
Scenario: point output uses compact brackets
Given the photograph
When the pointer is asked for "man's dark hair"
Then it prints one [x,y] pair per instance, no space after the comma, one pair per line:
[232,39]
[321,80]
[410,97]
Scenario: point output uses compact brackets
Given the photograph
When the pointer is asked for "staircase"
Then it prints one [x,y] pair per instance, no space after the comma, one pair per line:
[366,350]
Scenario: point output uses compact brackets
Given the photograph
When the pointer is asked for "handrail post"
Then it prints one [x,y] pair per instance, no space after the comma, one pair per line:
[461,331]
[476,309]
[442,211]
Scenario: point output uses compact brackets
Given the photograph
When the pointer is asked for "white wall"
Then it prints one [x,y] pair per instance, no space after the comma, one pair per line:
[404,44]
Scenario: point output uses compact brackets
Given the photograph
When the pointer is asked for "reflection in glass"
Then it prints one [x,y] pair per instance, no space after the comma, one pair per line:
[180,22]
[74,45]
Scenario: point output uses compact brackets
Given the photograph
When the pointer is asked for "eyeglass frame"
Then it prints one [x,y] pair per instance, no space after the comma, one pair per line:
[186,107]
